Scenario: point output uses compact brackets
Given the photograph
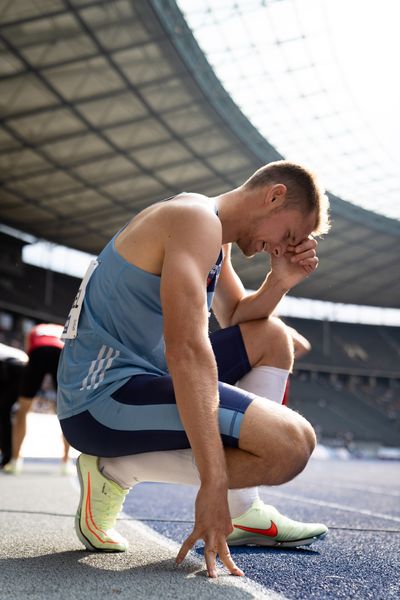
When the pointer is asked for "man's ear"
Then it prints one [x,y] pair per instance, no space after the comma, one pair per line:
[276,195]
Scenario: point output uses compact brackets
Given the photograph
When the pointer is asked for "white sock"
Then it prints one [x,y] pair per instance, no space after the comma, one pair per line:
[267,382]
[169,466]
[241,500]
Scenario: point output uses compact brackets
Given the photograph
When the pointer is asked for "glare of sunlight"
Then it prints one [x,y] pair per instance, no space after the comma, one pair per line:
[318,78]
[57,258]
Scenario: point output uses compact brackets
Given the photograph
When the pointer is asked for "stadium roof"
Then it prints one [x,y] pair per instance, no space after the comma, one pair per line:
[107,107]
[312,84]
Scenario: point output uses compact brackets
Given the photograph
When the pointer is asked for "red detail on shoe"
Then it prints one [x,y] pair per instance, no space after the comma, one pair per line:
[270,532]
[88,511]
[285,399]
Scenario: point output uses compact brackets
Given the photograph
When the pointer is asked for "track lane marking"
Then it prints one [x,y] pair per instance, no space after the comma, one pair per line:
[343,507]
[249,587]
[357,488]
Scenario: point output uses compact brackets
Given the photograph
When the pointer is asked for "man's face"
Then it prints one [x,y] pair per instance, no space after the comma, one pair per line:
[274,233]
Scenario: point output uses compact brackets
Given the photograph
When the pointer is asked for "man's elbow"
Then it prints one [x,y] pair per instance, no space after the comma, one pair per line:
[228,319]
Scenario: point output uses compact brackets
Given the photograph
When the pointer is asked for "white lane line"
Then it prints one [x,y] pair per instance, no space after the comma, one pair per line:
[357,488]
[360,511]
[252,588]
[248,586]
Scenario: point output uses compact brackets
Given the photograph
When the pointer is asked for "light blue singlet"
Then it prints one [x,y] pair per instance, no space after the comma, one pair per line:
[120,332]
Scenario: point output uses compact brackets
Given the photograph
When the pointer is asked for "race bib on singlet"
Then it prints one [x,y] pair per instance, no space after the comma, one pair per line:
[71,326]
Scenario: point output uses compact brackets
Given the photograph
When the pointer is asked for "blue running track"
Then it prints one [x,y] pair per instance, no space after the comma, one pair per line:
[359,500]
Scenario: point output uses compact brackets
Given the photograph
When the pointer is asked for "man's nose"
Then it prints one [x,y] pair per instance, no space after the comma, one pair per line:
[277,251]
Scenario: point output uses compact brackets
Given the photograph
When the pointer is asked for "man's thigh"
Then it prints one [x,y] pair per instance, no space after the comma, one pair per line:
[142,416]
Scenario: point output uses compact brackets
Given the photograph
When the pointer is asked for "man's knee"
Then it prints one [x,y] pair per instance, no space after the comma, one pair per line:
[292,451]
[268,342]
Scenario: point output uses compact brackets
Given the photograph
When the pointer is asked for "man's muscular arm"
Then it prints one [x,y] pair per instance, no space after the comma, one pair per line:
[192,244]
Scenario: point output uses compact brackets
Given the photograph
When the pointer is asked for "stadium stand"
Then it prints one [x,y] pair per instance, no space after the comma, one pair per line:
[28,292]
[341,416]
[348,386]
[351,349]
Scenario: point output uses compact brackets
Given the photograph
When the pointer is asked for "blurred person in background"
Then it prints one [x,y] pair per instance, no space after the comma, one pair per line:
[43,346]
[12,363]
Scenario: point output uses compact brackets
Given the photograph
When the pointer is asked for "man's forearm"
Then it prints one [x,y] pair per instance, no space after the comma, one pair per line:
[194,375]
[260,304]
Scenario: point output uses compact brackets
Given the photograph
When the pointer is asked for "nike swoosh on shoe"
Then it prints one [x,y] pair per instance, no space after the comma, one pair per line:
[270,532]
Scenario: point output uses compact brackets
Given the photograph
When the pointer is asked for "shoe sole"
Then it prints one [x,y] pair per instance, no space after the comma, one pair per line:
[257,541]
[78,529]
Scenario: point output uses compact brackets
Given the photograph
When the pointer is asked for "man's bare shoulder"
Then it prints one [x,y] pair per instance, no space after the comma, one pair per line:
[184,221]
[190,214]
[189,204]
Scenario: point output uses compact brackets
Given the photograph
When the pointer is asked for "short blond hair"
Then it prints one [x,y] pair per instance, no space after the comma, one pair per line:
[303,191]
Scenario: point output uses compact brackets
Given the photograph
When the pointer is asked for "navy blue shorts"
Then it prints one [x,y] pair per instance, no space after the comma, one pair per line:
[142,415]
